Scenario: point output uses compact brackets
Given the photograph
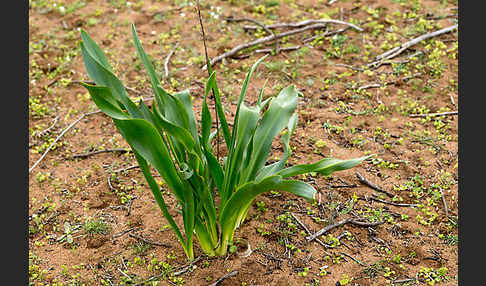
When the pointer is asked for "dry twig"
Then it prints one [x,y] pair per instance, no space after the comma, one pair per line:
[43,132]
[373,186]
[148,241]
[116,150]
[434,114]
[59,137]
[446,209]
[277,45]
[342,222]
[305,23]
[166,63]
[309,232]
[373,85]
[354,259]
[398,50]
[238,48]
[391,203]
[184,269]
[232,273]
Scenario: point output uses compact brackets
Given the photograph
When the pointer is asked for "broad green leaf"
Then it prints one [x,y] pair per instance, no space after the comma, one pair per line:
[154,81]
[273,121]
[177,132]
[277,166]
[211,84]
[324,167]
[204,237]
[103,77]
[154,187]
[186,100]
[95,50]
[215,169]
[206,120]
[248,119]
[105,101]
[146,140]
[240,101]
[234,209]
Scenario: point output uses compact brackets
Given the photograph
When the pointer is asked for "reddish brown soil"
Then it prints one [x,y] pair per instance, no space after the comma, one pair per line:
[77,190]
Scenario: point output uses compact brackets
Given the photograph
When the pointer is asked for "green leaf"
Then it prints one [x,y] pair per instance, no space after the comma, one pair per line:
[248,119]
[260,95]
[325,167]
[240,101]
[104,77]
[215,169]
[206,120]
[105,101]
[154,187]
[154,81]
[234,210]
[180,134]
[274,120]
[186,100]
[211,84]
[146,140]
[95,50]
[277,166]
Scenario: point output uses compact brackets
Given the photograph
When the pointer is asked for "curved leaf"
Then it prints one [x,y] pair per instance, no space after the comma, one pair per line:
[274,120]
[105,101]
[211,84]
[234,209]
[104,77]
[324,167]
[95,50]
[146,140]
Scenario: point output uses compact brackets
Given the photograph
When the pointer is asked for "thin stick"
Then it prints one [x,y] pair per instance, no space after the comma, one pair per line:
[342,222]
[126,169]
[326,34]
[398,50]
[184,269]
[403,280]
[373,186]
[327,228]
[392,203]
[305,23]
[277,45]
[349,67]
[238,48]
[119,150]
[48,129]
[124,232]
[434,114]
[384,62]
[310,233]
[355,260]
[444,202]
[126,275]
[207,66]
[265,51]
[373,85]
[148,241]
[166,63]
[281,49]
[232,273]
[59,137]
